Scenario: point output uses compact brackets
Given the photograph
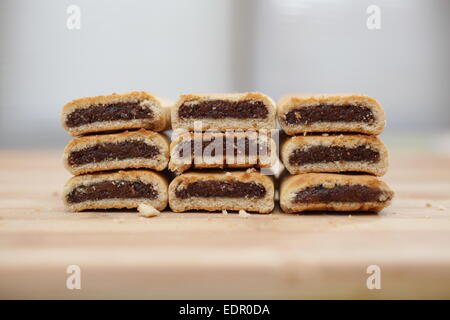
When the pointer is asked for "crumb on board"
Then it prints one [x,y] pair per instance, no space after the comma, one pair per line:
[431,205]
[224,212]
[148,211]
[55,193]
[119,220]
[250,170]
[243,213]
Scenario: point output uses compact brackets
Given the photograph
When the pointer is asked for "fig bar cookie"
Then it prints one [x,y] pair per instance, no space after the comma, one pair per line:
[219,150]
[238,190]
[133,110]
[334,153]
[123,189]
[138,149]
[224,111]
[330,113]
[333,192]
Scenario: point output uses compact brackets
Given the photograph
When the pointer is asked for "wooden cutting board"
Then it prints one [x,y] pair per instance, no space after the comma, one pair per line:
[200,255]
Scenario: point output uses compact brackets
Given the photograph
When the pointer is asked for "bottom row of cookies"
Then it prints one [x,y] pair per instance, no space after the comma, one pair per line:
[236,190]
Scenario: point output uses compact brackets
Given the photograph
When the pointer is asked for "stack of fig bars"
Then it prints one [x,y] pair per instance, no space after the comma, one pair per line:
[224,138]
[115,150]
[333,153]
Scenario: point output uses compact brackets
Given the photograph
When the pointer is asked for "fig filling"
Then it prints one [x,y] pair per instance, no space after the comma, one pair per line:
[113,151]
[321,154]
[220,109]
[342,193]
[121,189]
[241,146]
[221,188]
[330,113]
[108,112]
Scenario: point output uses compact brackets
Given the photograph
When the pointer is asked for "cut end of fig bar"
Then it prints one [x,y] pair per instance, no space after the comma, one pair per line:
[342,193]
[335,153]
[108,112]
[125,150]
[115,112]
[334,192]
[113,151]
[330,113]
[323,154]
[234,191]
[221,150]
[221,109]
[217,188]
[115,189]
[223,112]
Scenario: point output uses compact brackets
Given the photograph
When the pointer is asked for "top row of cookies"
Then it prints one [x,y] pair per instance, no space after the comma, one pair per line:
[203,112]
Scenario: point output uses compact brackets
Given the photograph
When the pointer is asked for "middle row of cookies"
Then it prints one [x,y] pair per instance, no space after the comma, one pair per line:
[218,141]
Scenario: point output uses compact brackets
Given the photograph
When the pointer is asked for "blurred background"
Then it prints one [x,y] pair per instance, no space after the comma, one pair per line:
[171,47]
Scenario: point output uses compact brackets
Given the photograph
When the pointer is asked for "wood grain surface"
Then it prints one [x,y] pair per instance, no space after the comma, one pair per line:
[200,255]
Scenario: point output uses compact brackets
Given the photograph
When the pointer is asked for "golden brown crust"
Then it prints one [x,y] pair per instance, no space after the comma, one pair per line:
[158,163]
[226,123]
[103,99]
[290,185]
[349,141]
[111,137]
[294,101]
[264,205]
[245,176]
[160,107]
[146,176]
[225,96]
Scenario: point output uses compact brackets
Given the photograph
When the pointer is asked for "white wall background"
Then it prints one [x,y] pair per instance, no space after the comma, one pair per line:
[178,46]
